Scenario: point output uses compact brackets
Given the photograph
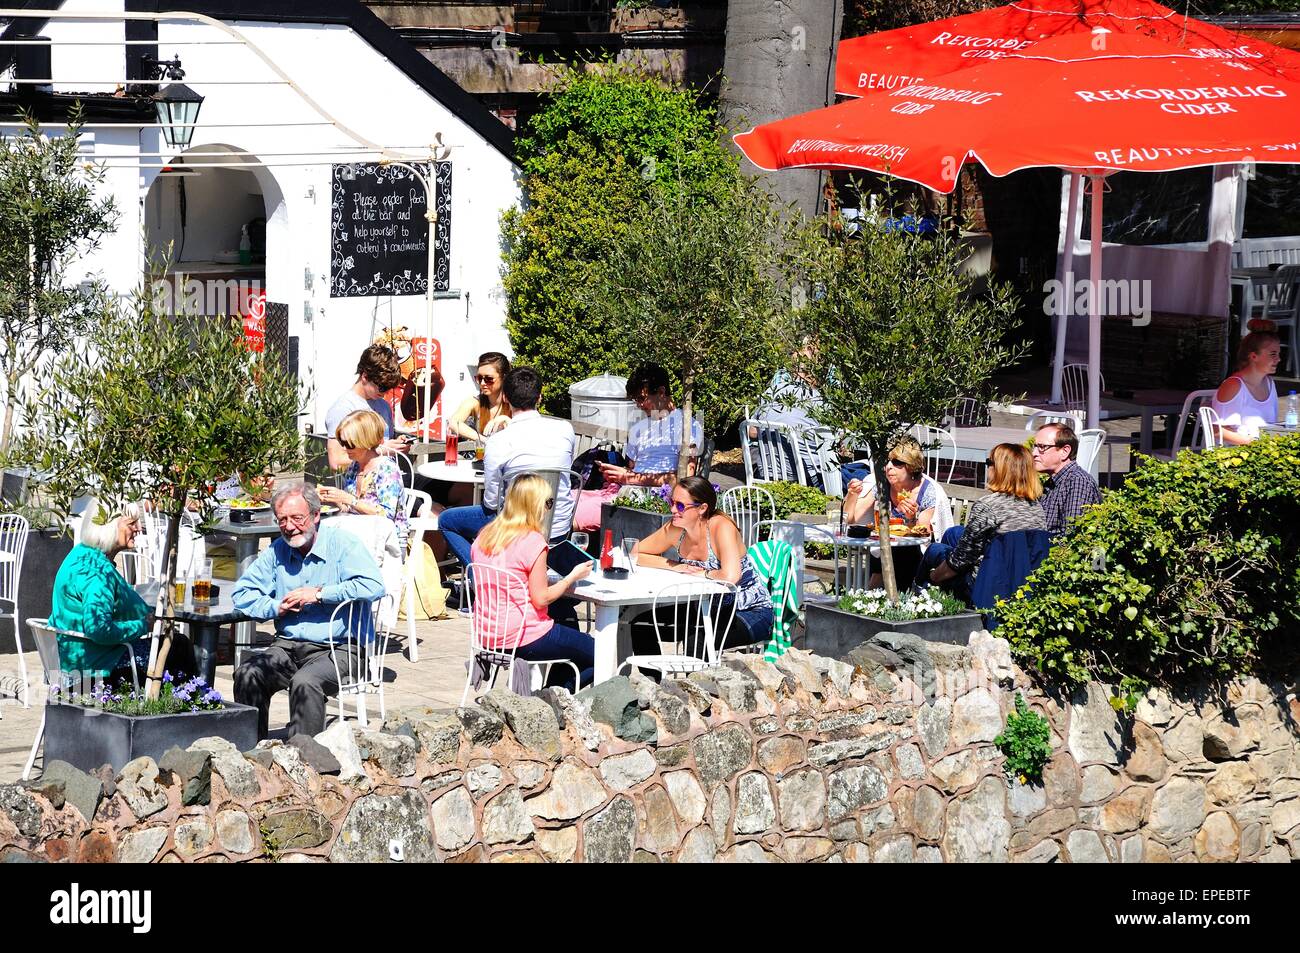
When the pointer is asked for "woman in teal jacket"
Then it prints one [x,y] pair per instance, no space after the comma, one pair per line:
[91,598]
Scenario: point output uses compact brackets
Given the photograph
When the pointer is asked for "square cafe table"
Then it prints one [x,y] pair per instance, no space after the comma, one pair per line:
[205,621]
[611,596]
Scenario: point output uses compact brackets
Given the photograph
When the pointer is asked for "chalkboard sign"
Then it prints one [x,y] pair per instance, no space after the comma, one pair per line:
[379,236]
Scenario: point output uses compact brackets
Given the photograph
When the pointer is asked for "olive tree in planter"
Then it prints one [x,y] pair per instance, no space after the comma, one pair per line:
[895,332]
[158,408]
[695,284]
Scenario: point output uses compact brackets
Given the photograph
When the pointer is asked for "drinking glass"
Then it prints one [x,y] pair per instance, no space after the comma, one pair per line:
[202,587]
[581,540]
[178,592]
[629,543]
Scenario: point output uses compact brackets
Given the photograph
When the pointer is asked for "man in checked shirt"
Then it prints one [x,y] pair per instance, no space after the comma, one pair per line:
[1069,486]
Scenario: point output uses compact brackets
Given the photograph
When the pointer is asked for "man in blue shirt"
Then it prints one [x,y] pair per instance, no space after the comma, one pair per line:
[299,580]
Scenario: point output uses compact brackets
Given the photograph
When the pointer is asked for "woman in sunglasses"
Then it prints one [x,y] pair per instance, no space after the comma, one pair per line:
[911,492]
[372,484]
[701,541]
[479,417]
[514,542]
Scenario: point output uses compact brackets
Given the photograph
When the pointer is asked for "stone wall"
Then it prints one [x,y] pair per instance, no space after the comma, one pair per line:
[887,759]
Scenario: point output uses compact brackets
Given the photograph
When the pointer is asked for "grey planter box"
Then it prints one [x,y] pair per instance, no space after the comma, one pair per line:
[88,737]
[626,523]
[833,632]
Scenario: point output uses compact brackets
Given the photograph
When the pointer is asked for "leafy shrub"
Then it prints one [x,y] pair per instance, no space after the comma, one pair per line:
[932,603]
[791,498]
[1189,571]
[1026,742]
[174,699]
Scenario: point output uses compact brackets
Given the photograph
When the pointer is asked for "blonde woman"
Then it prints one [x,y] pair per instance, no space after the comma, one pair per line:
[372,484]
[514,542]
[1011,506]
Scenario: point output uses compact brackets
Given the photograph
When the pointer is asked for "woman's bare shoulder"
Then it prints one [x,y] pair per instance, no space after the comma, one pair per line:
[1228,390]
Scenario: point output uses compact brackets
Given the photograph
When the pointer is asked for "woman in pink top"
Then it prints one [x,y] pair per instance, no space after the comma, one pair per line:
[1248,399]
[514,542]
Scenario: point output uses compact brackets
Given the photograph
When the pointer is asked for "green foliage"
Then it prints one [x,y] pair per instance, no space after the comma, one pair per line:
[175,698]
[156,408]
[791,498]
[52,216]
[1026,742]
[589,159]
[931,603]
[1189,571]
[895,332]
[694,284]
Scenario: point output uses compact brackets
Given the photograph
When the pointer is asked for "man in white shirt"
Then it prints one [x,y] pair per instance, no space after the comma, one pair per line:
[378,372]
[531,443]
[654,442]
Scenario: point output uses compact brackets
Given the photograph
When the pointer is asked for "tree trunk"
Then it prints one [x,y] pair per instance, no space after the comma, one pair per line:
[688,410]
[163,626]
[11,398]
[882,520]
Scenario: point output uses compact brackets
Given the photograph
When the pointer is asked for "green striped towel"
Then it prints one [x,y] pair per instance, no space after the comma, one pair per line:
[773,562]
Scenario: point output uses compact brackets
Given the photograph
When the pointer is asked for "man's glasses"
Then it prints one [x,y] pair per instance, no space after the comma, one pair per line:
[683,507]
[485,379]
[1044,447]
[295,520]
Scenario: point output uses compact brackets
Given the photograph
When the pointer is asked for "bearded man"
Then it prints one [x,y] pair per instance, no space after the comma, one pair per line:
[298,581]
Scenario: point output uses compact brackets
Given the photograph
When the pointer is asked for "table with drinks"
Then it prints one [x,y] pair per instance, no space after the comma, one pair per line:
[194,604]
[454,468]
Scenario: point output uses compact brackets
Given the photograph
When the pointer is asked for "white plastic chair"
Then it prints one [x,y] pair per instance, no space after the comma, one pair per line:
[359,669]
[776,446]
[1074,386]
[1210,427]
[748,506]
[494,642]
[1190,406]
[405,464]
[47,648]
[1090,442]
[694,631]
[413,502]
[970,412]
[13,544]
[939,446]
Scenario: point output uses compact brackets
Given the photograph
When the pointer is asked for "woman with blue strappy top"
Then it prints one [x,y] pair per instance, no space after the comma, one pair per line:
[701,541]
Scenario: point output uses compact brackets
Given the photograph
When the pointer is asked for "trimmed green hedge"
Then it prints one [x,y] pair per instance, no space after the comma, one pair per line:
[1191,570]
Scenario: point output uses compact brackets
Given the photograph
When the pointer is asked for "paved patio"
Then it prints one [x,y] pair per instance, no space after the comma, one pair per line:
[437,680]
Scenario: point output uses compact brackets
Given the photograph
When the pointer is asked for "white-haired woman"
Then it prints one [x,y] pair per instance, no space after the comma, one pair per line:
[90,597]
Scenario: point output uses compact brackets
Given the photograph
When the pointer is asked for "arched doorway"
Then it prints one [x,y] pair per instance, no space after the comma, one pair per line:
[212,227]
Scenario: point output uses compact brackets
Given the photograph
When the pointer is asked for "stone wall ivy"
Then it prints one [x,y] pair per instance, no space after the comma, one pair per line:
[886,757]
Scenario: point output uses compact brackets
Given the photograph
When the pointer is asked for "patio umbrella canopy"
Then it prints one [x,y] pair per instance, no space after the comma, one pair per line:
[896,58]
[1093,103]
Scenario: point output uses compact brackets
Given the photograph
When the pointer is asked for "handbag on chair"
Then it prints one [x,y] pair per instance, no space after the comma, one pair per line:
[430,594]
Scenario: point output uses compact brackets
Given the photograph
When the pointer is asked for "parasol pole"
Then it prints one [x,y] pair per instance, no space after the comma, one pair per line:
[1067,281]
[1094,307]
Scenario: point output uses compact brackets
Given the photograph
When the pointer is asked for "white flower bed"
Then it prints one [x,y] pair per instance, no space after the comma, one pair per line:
[932,603]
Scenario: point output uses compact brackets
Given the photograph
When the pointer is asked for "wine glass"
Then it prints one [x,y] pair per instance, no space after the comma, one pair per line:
[580,539]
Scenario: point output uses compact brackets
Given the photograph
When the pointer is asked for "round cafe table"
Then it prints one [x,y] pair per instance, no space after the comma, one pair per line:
[461,472]
[859,549]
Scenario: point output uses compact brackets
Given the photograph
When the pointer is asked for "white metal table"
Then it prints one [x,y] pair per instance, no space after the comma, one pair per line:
[859,549]
[461,472]
[611,596]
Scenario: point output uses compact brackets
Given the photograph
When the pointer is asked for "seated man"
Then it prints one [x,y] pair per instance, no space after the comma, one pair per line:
[378,372]
[787,401]
[298,581]
[1069,486]
[531,443]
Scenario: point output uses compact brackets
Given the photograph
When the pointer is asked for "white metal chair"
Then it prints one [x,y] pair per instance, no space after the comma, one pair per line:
[1211,426]
[13,544]
[694,630]
[560,480]
[496,623]
[407,466]
[1190,406]
[359,668]
[47,649]
[1041,418]
[970,412]
[1282,307]
[748,506]
[939,446]
[1074,386]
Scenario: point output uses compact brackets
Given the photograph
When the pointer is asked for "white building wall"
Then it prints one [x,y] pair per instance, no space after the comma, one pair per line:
[360,88]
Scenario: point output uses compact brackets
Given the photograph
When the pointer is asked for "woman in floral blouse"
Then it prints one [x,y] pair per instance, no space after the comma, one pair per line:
[372,484]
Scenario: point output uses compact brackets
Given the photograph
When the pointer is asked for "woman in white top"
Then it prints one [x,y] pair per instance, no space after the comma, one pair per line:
[1248,399]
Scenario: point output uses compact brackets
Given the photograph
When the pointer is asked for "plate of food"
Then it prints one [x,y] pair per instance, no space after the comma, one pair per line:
[328,509]
[248,504]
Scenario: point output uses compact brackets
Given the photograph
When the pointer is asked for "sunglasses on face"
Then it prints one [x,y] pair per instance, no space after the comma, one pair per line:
[988,461]
[683,507]
[346,444]
[897,463]
[550,503]
[485,379]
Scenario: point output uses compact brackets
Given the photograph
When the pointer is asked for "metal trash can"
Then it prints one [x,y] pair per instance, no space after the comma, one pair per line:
[602,401]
